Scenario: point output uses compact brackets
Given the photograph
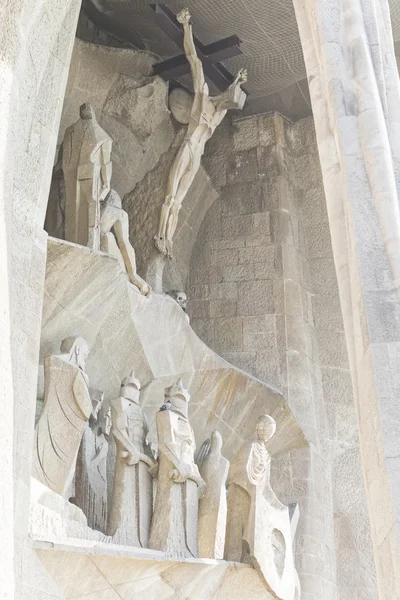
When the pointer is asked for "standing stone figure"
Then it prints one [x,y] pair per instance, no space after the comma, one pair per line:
[87,168]
[174,527]
[212,507]
[114,238]
[132,500]
[206,114]
[258,529]
[91,466]
[67,408]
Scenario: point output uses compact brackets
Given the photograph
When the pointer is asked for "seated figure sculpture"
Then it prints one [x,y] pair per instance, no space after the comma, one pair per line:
[258,527]
[206,114]
[67,408]
[93,211]
[174,527]
[132,500]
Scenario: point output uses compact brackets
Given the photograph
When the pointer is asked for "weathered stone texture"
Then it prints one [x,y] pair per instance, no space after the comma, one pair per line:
[354,88]
[270,305]
[36,46]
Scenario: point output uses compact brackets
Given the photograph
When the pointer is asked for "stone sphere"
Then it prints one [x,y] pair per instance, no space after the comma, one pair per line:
[180,104]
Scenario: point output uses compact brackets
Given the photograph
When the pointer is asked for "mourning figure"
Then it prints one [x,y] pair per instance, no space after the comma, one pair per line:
[91,467]
[212,506]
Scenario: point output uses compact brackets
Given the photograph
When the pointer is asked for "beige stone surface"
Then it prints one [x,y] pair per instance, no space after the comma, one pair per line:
[36,45]
[354,88]
[270,225]
[79,571]
[52,518]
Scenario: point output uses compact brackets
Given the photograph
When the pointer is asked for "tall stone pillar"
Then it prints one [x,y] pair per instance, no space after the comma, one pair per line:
[354,86]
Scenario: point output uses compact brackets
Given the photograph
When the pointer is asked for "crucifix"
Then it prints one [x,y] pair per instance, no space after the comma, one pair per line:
[206,114]
[210,54]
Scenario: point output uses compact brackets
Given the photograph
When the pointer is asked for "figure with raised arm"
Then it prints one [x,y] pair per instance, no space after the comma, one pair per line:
[206,114]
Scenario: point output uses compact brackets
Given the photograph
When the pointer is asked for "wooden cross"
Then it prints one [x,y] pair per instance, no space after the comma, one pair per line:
[210,55]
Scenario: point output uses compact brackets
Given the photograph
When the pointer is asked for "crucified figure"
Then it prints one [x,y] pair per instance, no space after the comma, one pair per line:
[206,114]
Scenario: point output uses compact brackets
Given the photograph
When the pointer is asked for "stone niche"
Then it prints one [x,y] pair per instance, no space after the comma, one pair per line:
[87,293]
[118,502]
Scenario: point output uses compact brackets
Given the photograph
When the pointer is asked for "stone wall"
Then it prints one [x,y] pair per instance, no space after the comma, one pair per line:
[263,293]
[35,48]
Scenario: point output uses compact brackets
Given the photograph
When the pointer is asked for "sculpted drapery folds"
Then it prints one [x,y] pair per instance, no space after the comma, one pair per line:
[67,408]
[94,215]
[206,114]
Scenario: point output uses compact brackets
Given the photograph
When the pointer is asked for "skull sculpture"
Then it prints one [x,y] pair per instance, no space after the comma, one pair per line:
[179,297]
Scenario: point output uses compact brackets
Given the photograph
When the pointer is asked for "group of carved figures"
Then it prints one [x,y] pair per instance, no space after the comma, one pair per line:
[162,496]
[94,216]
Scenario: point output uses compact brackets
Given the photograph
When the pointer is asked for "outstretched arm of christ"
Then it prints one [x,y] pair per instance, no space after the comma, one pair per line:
[196,66]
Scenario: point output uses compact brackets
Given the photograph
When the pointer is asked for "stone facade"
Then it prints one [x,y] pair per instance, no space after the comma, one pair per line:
[263,293]
[292,292]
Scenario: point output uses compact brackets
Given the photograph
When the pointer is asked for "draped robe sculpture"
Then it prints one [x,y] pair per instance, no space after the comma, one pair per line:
[91,466]
[132,500]
[87,168]
[174,527]
[206,114]
[67,408]
[94,215]
[212,506]
[258,527]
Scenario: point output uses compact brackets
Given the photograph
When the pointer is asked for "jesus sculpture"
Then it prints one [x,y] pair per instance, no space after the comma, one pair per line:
[206,114]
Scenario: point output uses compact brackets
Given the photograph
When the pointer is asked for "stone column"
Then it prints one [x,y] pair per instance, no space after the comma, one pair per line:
[355,92]
[36,41]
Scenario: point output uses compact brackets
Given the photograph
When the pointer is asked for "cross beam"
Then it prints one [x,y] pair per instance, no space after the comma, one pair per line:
[209,54]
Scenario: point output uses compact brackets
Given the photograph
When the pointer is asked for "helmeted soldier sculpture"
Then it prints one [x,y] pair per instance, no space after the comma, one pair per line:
[132,501]
[174,527]
[206,114]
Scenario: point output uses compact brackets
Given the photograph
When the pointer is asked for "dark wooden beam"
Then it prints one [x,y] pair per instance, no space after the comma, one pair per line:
[210,55]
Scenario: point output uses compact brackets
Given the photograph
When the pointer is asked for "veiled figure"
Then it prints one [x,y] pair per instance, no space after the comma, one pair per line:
[91,466]
[67,408]
[214,470]
[174,527]
[87,168]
